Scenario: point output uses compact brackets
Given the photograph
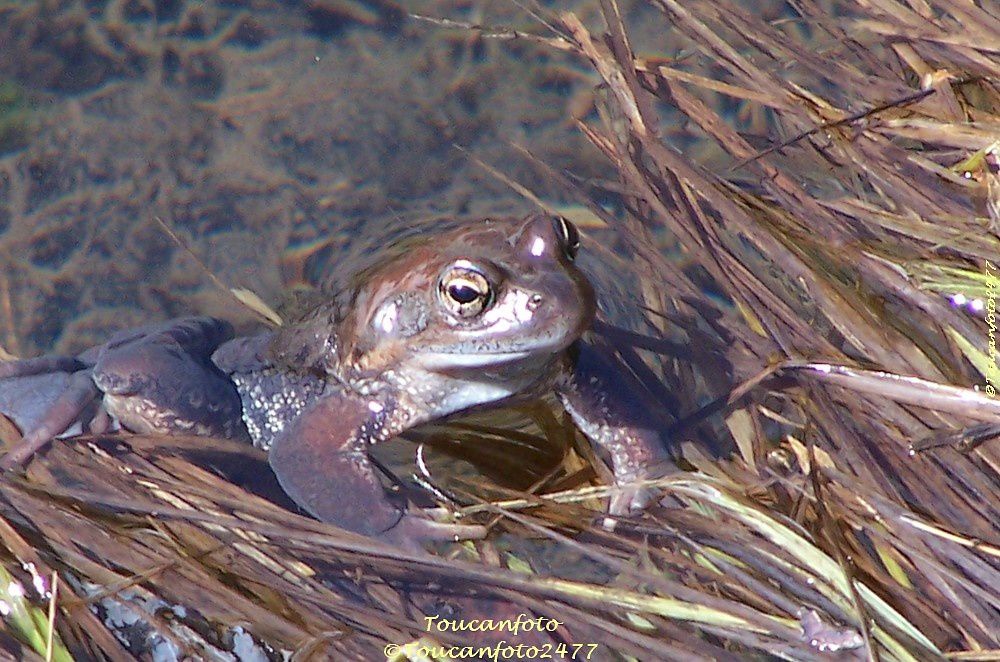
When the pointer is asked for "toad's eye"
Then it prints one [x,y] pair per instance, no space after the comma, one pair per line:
[464,291]
[570,237]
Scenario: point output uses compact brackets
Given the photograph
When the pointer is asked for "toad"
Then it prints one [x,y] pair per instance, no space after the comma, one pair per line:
[474,317]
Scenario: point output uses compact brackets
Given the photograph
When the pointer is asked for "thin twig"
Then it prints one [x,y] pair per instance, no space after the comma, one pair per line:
[896,103]
[497,32]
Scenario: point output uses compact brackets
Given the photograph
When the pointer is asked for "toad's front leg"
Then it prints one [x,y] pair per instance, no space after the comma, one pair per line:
[608,409]
[321,460]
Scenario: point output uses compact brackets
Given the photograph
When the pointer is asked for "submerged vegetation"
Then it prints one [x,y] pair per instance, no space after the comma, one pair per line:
[829,219]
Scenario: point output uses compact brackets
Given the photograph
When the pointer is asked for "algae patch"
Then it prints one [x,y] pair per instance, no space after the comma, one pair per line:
[16,121]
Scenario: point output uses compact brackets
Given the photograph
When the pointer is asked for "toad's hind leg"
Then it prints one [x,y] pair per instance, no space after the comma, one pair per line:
[157,379]
[161,380]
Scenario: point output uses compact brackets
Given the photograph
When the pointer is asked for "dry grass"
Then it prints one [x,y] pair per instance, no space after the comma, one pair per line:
[832,242]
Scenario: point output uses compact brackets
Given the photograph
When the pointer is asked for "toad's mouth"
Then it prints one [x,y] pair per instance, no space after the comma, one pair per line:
[447,359]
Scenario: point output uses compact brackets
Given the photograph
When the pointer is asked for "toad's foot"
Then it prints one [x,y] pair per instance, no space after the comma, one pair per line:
[45,406]
[411,530]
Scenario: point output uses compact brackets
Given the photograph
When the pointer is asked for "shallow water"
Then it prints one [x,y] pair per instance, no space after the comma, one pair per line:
[257,133]
[274,139]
